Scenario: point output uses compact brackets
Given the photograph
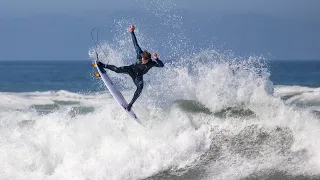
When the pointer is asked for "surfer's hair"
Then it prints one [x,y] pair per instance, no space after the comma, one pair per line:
[146,54]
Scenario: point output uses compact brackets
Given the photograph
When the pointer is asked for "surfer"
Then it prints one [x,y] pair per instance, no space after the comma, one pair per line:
[142,65]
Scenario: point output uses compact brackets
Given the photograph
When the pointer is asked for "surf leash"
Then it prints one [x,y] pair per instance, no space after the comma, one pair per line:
[96,41]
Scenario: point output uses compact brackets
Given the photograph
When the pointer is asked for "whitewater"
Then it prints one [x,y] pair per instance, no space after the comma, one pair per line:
[222,119]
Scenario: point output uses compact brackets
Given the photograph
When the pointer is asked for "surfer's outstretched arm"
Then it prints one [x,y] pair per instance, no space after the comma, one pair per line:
[158,62]
[135,42]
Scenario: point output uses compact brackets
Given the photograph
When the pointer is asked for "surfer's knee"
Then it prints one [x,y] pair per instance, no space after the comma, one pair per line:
[119,69]
[122,69]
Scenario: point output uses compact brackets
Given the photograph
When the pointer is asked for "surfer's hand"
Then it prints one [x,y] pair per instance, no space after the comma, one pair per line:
[97,55]
[155,55]
[131,28]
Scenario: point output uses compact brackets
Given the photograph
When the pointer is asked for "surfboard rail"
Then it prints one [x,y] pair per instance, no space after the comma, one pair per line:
[114,91]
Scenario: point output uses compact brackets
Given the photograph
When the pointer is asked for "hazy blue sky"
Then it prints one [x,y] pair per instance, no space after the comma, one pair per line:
[286,8]
[59,29]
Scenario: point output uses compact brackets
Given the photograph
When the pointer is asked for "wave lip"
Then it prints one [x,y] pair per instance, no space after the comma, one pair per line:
[299,96]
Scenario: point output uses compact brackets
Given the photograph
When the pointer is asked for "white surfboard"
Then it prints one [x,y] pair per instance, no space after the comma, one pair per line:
[116,93]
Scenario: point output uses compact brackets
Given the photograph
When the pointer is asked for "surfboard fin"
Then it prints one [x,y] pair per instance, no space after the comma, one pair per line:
[94,65]
[96,74]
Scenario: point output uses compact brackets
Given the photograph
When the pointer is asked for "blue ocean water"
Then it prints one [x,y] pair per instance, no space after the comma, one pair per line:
[29,76]
[77,76]
[298,72]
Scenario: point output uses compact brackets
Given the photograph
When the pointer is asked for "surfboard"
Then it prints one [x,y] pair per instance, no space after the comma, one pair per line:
[115,92]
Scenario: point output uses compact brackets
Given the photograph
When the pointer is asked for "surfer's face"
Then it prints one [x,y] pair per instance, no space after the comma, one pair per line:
[144,60]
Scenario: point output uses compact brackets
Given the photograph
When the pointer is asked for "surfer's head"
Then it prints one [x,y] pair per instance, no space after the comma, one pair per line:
[146,56]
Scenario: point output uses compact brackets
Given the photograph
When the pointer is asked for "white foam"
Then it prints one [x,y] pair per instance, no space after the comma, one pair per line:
[23,101]
[219,81]
[107,144]
[102,145]
[305,97]
[291,90]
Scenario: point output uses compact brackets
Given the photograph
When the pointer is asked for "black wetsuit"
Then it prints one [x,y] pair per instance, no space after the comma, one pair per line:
[136,70]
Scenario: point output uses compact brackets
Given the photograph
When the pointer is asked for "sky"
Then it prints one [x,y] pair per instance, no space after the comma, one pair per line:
[58,29]
[308,9]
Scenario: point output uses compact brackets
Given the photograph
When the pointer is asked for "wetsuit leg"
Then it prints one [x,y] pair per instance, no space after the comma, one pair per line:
[138,80]
[123,69]
[139,83]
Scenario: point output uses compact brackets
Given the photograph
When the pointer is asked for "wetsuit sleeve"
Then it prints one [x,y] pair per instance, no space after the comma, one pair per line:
[136,45]
[158,63]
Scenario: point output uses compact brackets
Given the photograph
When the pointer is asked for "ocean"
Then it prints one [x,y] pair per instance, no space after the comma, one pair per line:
[222,119]
[76,76]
